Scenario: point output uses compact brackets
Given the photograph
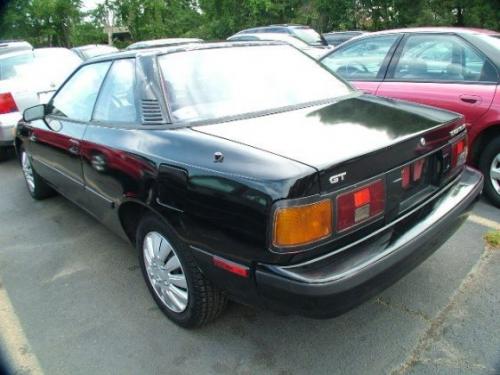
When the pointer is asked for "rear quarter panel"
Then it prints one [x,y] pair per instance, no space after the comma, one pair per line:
[221,207]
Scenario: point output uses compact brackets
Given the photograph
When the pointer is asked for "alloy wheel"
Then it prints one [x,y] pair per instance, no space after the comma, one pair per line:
[165,272]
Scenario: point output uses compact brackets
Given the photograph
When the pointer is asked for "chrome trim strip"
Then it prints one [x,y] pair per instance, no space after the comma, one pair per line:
[168,206]
[59,171]
[89,189]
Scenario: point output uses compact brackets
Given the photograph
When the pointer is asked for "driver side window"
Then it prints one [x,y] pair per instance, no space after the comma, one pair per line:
[360,60]
[76,99]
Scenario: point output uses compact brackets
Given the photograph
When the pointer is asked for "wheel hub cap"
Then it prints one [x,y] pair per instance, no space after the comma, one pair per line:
[165,272]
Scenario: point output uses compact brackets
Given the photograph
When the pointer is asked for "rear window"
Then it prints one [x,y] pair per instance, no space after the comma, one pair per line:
[221,82]
[12,66]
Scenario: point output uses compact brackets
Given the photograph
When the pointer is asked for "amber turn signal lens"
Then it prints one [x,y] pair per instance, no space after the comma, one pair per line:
[302,225]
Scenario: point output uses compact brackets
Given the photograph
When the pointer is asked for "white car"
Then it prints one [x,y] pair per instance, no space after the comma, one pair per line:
[28,78]
[312,51]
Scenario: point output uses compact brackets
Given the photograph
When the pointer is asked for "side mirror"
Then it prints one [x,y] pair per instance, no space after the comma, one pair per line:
[37,112]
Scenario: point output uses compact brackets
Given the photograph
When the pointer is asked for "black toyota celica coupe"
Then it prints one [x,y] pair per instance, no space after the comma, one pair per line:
[250,172]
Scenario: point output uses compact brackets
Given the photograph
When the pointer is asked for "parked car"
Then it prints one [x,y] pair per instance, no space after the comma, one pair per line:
[27,78]
[163,43]
[92,50]
[452,68]
[315,52]
[284,190]
[305,33]
[336,38]
[8,46]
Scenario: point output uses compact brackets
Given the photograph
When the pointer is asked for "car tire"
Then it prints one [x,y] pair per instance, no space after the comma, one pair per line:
[489,163]
[4,153]
[183,294]
[37,187]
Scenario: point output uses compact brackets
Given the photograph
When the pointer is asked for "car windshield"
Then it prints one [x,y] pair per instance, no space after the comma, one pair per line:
[308,35]
[12,66]
[213,83]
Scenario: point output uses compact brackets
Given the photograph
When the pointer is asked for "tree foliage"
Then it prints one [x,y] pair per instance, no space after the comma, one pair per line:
[63,23]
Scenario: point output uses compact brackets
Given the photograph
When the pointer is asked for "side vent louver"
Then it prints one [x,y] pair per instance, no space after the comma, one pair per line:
[151,112]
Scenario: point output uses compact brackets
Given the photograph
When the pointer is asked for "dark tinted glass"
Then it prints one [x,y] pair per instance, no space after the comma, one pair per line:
[116,101]
[77,97]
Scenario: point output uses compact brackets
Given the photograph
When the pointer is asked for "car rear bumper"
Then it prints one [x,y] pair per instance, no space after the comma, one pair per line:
[330,285]
[8,127]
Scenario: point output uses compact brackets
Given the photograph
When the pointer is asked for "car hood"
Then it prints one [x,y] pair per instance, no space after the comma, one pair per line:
[324,135]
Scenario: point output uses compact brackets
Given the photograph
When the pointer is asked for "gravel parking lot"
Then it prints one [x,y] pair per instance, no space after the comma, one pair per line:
[72,301]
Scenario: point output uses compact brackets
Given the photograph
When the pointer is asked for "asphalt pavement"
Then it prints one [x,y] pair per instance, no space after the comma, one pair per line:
[72,301]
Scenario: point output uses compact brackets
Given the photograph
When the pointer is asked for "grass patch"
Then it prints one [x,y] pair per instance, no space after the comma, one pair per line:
[493,239]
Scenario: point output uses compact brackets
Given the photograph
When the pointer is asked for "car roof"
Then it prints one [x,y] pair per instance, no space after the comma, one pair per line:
[165,41]
[346,32]
[270,36]
[456,30]
[162,50]
[90,46]
[16,52]
[7,46]
[291,25]
[283,26]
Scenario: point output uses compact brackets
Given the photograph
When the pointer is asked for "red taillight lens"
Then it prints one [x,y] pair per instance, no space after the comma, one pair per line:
[360,205]
[405,177]
[418,167]
[7,103]
[459,152]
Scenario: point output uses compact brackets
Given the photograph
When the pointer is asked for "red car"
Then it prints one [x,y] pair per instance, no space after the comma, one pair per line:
[452,68]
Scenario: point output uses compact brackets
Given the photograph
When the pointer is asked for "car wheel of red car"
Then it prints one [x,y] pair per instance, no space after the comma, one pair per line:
[177,285]
[489,164]
[37,187]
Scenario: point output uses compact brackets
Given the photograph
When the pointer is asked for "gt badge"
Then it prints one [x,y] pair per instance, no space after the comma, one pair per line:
[335,179]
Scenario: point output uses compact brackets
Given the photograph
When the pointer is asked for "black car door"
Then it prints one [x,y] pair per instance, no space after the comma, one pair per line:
[54,143]
[110,168]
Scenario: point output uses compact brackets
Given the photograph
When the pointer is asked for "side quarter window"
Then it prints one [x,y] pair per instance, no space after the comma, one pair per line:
[76,99]
[362,59]
[116,102]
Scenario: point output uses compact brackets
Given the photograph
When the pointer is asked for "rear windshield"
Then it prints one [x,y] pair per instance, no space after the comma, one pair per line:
[220,82]
[12,66]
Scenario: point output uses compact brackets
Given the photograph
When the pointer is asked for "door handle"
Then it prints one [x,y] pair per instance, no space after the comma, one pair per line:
[470,99]
[74,147]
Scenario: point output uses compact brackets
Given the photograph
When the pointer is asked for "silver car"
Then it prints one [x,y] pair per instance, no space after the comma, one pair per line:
[27,78]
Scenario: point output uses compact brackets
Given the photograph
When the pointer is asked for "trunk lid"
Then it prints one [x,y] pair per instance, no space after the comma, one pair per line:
[348,141]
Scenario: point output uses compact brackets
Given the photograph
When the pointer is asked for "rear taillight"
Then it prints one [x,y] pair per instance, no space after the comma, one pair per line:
[359,205]
[459,152]
[302,224]
[412,173]
[7,103]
